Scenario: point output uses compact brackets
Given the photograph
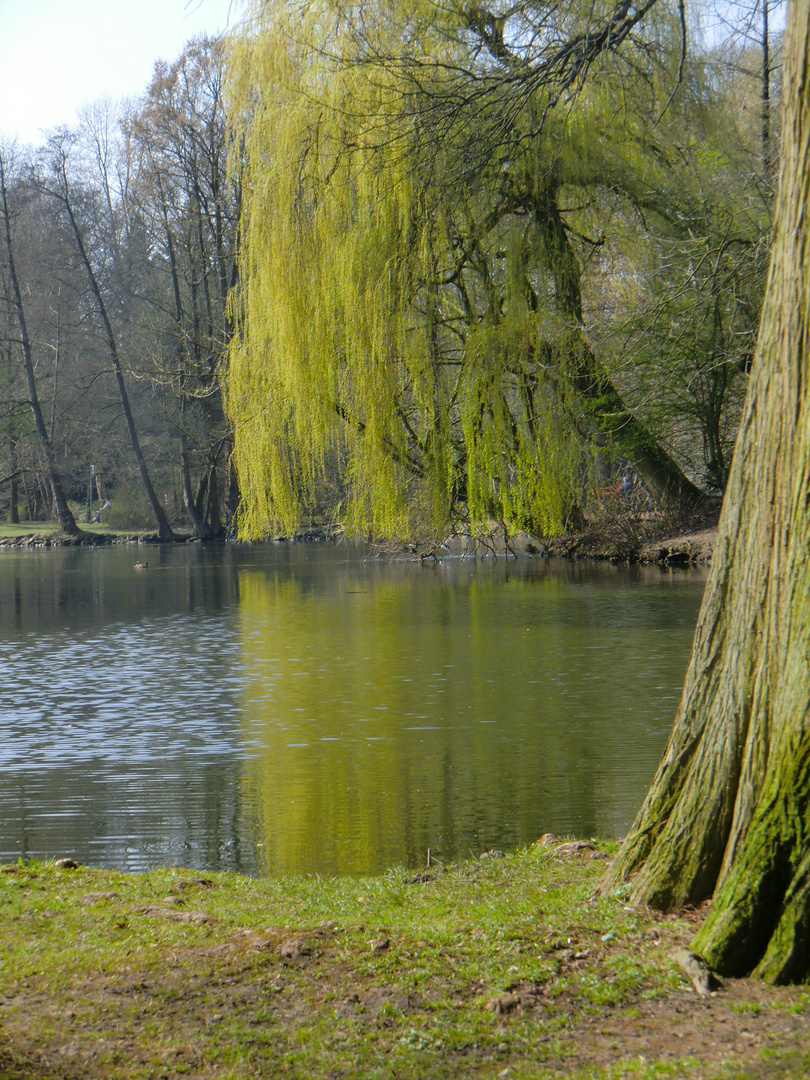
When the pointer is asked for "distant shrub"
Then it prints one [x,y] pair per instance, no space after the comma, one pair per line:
[129,509]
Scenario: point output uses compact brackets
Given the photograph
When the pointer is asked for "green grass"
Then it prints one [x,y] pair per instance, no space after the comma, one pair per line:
[32,528]
[501,964]
[27,528]
[46,528]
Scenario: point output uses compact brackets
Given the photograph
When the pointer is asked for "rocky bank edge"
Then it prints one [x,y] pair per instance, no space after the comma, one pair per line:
[628,540]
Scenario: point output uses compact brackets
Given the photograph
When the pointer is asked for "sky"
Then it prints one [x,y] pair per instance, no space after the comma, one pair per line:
[57,55]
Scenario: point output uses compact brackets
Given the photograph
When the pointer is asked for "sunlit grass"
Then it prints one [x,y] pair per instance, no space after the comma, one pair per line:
[495,964]
[45,528]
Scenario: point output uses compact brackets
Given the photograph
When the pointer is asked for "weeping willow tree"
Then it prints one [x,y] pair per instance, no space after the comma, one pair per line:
[410,312]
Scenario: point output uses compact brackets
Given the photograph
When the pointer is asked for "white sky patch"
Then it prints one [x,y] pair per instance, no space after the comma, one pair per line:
[58,55]
[741,21]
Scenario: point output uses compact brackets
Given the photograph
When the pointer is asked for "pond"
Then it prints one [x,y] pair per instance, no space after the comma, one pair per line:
[300,708]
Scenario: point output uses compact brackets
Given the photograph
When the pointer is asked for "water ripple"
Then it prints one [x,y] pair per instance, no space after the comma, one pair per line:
[163,688]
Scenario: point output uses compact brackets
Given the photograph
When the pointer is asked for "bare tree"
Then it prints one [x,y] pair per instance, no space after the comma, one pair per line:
[61,189]
[67,521]
[189,206]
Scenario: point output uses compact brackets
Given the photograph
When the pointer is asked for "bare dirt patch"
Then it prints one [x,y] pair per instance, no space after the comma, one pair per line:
[509,967]
[95,1028]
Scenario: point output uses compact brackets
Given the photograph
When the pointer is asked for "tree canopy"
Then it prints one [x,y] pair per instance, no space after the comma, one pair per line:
[426,188]
[122,231]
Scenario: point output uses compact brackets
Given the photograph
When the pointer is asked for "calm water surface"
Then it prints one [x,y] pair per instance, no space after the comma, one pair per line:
[298,708]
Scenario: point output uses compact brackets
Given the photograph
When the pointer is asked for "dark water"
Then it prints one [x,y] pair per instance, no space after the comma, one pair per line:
[297,708]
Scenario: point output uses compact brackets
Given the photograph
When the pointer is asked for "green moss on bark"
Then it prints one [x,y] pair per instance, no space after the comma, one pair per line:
[728,813]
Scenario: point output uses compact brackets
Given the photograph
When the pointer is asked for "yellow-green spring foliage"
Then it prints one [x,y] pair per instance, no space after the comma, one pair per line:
[389,343]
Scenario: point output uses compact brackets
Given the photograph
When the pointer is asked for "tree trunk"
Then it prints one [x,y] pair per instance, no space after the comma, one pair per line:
[233,495]
[164,528]
[593,387]
[728,814]
[213,516]
[765,119]
[201,530]
[13,499]
[67,522]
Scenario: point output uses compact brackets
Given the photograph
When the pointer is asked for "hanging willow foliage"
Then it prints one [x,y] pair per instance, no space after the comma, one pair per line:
[405,314]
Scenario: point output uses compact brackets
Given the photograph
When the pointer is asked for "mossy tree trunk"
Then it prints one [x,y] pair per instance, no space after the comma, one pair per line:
[728,814]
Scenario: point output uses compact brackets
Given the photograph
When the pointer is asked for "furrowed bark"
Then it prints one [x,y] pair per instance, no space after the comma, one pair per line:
[728,814]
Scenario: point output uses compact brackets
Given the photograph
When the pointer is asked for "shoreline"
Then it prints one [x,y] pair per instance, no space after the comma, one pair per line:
[632,539]
[629,539]
[691,544]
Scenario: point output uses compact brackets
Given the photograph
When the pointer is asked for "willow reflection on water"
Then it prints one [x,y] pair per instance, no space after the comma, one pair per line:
[304,709]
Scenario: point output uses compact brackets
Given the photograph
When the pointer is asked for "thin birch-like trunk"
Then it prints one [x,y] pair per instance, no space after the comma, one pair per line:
[67,522]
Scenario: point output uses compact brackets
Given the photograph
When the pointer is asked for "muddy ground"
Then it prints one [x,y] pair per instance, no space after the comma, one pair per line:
[509,967]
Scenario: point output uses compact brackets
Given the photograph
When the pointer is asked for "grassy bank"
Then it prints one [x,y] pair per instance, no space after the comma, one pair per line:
[496,967]
[51,528]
